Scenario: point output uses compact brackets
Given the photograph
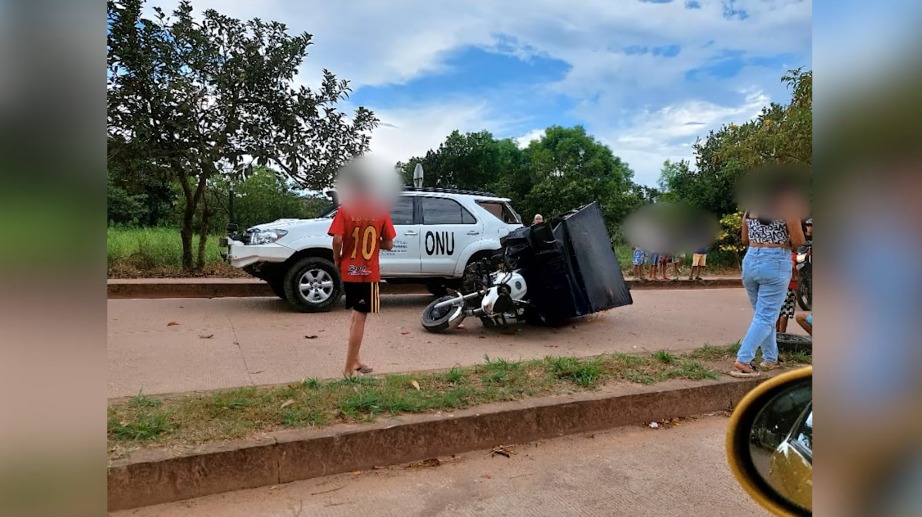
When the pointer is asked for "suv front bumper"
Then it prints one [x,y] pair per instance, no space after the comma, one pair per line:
[240,255]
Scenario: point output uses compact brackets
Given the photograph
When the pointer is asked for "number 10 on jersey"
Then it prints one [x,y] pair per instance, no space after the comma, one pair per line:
[369,241]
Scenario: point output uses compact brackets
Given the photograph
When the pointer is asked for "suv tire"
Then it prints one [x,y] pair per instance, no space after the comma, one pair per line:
[312,284]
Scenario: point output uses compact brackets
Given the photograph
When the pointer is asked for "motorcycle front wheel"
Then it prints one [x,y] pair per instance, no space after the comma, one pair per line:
[442,318]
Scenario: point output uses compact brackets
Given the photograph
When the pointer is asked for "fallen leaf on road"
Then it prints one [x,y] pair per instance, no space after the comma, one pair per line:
[287,403]
[415,385]
[357,473]
[273,487]
[487,476]
[482,337]
[172,324]
[550,346]
[207,336]
[311,337]
[405,332]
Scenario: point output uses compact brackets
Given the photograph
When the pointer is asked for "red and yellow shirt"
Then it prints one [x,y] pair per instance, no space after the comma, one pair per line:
[361,244]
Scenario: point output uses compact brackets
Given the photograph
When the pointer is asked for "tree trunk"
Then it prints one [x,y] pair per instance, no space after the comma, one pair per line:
[203,235]
[188,218]
[193,198]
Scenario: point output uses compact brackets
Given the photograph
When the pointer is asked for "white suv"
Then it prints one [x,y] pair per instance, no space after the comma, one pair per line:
[439,232]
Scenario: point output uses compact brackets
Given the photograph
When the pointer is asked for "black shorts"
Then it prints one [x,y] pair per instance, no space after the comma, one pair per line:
[363,296]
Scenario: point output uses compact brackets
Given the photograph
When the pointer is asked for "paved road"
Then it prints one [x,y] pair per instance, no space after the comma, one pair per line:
[256,341]
[633,471]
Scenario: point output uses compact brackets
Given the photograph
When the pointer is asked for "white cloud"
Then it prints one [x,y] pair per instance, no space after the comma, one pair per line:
[637,102]
[527,138]
[413,130]
[668,133]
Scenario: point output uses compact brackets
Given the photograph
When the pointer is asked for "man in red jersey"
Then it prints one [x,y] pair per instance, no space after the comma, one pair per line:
[358,236]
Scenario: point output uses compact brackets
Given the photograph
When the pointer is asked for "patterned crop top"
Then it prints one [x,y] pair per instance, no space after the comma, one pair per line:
[771,232]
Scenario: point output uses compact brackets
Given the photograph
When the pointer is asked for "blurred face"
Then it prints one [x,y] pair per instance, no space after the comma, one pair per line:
[367,187]
[538,219]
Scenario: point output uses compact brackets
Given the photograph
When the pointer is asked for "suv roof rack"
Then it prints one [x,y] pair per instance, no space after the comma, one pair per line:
[449,191]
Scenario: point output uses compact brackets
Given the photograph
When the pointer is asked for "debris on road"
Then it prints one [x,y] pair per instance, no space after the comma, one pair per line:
[172,324]
[654,425]
[405,332]
[312,336]
[287,403]
[431,462]
[415,385]
[206,336]
[502,450]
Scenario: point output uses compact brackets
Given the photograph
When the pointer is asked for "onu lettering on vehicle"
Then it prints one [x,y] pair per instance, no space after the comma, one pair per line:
[440,243]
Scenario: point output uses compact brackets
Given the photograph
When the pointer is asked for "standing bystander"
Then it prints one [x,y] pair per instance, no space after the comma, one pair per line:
[357,241]
[699,262]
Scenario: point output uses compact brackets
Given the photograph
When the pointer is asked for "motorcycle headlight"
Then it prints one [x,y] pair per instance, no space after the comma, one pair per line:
[266,236]
[801,257]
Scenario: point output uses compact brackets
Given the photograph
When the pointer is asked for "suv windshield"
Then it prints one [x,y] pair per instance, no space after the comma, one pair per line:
[501,211]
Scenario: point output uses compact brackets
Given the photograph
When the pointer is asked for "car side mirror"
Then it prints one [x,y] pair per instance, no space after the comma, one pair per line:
[770,443]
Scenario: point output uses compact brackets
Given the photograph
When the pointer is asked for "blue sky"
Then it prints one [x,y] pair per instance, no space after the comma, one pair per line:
[646,77]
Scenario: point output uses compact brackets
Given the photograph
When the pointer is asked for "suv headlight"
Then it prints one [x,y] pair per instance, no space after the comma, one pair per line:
[266,236]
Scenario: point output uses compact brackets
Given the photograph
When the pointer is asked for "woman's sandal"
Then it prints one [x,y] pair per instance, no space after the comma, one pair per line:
[769,366]
[743,374]
[364,369]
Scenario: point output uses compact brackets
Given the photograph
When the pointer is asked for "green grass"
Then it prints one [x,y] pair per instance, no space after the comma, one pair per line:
[197,418]
[155,252]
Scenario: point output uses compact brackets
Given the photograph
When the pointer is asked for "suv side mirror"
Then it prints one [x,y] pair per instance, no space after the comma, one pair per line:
[770,443]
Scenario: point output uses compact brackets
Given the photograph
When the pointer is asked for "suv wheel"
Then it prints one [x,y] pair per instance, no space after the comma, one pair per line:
[439,288]
[312,285]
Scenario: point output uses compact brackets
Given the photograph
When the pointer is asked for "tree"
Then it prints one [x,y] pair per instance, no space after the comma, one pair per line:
[472,161]
[565,169]
[675,179]
[780,134]
[568,168]
[201,98]
[260,197]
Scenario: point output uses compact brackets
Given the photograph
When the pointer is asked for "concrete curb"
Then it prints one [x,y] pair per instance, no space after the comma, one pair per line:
[234,288]
[151,477]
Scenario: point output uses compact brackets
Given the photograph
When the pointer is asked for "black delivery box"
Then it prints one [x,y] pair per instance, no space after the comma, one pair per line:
[569,264]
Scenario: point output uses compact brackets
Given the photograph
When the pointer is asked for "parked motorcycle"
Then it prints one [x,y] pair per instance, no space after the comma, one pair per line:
[805,276]
[545,274]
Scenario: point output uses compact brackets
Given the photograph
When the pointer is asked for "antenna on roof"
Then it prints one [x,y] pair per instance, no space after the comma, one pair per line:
[418,176]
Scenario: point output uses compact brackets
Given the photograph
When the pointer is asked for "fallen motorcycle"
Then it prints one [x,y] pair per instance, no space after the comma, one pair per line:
[545,274]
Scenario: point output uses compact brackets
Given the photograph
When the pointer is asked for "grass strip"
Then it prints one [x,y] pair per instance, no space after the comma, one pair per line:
[192,419]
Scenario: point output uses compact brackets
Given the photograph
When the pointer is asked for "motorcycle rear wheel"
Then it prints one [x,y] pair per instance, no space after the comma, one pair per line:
[441,319]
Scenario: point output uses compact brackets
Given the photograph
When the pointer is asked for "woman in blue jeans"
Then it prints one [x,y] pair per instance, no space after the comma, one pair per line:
[766,273]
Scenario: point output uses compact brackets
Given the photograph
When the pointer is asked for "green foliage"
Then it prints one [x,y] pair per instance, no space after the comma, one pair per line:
[780,134]
[565,169]
[122,207]
[194,97]
[730,239]
[260,198]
